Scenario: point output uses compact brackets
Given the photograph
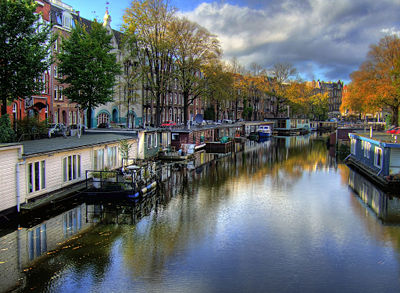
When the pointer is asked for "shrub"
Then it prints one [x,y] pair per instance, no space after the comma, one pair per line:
[7,134]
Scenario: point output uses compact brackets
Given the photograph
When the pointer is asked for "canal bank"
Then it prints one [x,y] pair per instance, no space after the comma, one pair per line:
[278,218]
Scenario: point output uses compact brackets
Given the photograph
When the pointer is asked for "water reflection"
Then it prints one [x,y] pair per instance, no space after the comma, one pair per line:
[276,217]
[385,205]
[20,248]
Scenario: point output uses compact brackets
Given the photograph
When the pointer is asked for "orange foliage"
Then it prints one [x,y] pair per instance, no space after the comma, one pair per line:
[376,84]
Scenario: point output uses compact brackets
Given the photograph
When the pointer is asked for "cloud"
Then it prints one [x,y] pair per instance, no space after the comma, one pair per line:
[325,39]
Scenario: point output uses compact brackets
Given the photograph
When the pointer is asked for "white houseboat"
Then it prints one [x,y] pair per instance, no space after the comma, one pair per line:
[35,169]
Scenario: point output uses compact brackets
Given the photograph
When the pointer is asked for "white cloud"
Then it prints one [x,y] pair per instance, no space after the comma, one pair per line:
[326,36]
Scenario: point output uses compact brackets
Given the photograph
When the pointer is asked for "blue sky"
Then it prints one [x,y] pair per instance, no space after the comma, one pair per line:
[323,39]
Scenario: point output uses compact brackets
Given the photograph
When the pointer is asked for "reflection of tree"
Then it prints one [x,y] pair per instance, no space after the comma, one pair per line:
[188,217]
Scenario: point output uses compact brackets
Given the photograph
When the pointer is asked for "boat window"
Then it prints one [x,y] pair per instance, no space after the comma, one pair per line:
[37,176]
[378,157]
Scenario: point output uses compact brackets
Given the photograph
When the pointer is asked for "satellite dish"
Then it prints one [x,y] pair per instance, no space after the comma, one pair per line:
[198,118]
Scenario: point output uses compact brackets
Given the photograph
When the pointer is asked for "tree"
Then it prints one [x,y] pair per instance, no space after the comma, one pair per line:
[282,73]
[88,67]
[6,132]
[24,50]
[218,85]
[130,82]
[195,47]
[146,25]
[377,81]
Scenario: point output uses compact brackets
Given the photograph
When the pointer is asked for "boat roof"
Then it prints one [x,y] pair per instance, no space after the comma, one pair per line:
[386,139]
[57,144]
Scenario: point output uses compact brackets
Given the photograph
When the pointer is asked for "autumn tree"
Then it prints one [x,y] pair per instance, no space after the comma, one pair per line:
[304,100]
[218,85]
[195,48]
[146,26]
[24,50]
[282,74]
[88,67]
[377,81]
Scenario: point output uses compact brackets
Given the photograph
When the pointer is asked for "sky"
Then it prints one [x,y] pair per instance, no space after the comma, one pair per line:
[322,39]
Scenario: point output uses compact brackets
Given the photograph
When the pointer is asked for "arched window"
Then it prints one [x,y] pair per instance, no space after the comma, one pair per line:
[103,118]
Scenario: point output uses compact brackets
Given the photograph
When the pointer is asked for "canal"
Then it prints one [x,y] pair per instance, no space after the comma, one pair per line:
[282,216]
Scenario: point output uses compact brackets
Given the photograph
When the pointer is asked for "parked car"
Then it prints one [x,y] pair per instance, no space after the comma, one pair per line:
[394,130]
[57,129]
[168,123]
[229,121]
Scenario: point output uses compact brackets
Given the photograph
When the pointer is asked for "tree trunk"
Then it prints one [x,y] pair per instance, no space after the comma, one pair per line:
[158,112]
[127,116]
[185,108]
[89,117]
[395,115]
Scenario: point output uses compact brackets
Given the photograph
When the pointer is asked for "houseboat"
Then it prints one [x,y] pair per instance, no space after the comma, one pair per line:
[37,171]
[377,155]
[291,126]
[264,131]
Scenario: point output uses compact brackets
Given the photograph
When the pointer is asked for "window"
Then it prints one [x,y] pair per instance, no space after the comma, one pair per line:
[60,93]
[71,167]
[112,157]
[56,93]
[72,222]
[55,71]
[149,141]
[366,146]
[353,146]
[37,241]
[378,157]
[98,159]
[37,176]
[103,118]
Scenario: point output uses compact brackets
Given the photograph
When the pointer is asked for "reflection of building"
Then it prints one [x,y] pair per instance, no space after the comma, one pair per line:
[21,247]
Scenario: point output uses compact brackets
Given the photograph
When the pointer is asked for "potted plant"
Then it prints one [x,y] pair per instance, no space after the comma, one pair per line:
[109,175]
[96,175]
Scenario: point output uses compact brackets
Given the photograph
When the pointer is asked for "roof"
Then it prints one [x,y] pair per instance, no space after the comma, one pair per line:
[57,144]
[385,139]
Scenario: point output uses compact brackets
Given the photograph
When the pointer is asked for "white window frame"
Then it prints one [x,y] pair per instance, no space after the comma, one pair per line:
[71,168]
[149,140]
[98,159]
[378,152]
[367,148]
[60,93]
[36,184]
[112,161]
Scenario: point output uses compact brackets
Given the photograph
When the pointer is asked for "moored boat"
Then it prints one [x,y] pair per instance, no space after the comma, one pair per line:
[264,131]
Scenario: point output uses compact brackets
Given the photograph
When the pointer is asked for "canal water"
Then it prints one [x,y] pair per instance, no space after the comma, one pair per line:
[281,216]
